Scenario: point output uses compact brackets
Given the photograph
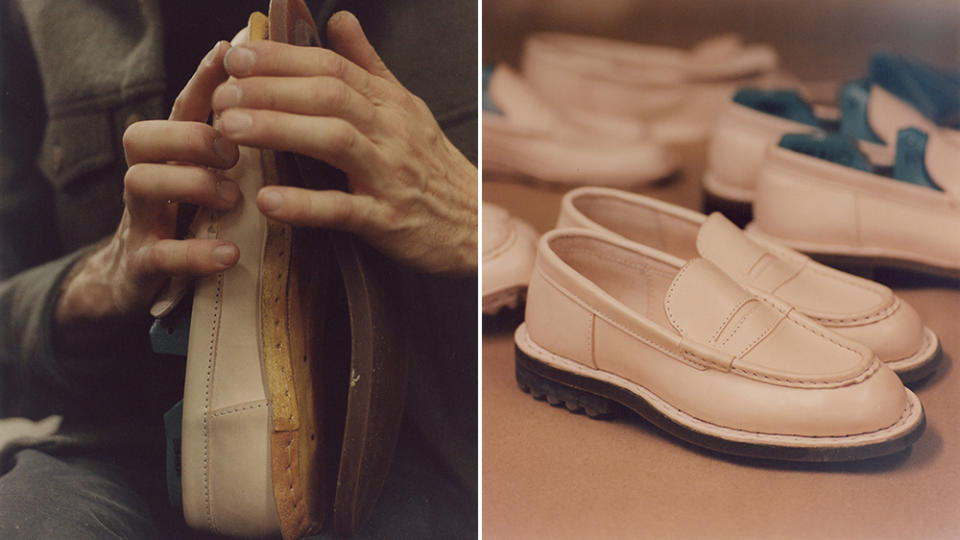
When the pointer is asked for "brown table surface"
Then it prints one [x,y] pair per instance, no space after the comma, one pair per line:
[548,473]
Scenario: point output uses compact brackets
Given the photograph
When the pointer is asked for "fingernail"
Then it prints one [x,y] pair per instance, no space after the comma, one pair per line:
[211,56]
[239,61]
[228,96]
[225,254]
[228,191]
[270,200]
[225,149]
[235,121]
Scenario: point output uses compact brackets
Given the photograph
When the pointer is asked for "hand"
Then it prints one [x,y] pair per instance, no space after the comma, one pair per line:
[413,195]
[170,161]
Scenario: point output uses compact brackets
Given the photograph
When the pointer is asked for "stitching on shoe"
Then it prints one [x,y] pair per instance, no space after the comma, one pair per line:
[726,321]
[237,409]
[879,316]
[806,383]
[790,437]
[739,324]
[211,360]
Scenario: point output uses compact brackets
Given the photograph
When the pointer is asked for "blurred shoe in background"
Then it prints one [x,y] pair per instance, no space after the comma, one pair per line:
[677,92]
[527,138]
[897,92]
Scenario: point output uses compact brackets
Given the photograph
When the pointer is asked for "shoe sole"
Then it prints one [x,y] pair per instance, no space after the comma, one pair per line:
[599,394]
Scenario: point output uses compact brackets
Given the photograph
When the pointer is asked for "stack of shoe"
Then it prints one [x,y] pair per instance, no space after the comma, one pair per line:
[871,185]
[676,92]
[721,338]
[526,137]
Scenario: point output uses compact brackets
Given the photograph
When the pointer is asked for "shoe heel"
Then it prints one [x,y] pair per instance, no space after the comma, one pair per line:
[557,394]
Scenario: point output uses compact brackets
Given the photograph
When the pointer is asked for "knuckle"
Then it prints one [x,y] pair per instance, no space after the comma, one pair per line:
[342,210]
[343,137]
[135,180]
[334,93]
[331,63]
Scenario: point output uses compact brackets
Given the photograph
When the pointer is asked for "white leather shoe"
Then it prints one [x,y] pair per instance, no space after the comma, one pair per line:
[838,205]
[529,139]
[687,348]
[856,308]
[509,249]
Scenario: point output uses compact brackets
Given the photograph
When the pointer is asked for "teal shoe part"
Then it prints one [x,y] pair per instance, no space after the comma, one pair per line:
[173,429]
[935,93]
[835,148]
[782,103]
[487,102]
[853,99]
[170,334]
[909,165]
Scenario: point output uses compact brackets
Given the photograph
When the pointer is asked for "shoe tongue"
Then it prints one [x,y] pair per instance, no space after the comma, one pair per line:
[730,249]
[932,92]
[786,104]
[702,299]
[929,159]
[909,165]
[854,119]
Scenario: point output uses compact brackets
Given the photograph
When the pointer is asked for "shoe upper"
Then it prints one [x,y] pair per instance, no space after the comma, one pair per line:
[678,91]
[699,341]
[820,194]
[857,308]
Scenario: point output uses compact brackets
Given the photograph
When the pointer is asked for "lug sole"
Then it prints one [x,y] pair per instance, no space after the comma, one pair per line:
[600,399]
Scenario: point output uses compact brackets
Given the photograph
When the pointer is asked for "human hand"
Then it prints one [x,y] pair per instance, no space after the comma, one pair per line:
[413,195]
[170,162]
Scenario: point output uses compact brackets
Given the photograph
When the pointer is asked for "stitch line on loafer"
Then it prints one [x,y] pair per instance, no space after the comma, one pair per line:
[648,395]
[214,334]
[239,408]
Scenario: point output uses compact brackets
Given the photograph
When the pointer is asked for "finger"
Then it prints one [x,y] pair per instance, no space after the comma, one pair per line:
[159,141]
[347,38]
[193,257]
[193,102]
[330,209]
[328,139]
[269,58]
[180,183]
[312,96]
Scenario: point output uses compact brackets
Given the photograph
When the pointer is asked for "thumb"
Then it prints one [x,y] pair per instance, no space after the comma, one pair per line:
[348,40]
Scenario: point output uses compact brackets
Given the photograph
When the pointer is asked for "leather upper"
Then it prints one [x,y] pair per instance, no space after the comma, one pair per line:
[695,338]
[854,307]
[819,206]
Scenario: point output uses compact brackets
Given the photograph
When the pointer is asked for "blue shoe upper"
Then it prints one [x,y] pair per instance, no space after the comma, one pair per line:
[934,93]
